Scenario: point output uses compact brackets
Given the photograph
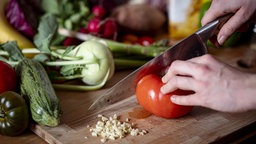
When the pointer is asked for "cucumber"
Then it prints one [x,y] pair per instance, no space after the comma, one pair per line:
[37,89]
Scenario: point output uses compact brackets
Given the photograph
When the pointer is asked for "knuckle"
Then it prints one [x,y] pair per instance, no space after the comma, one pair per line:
[207,57]
[229,29]
[245,14]
[202,69]
[175,63]
[173,83]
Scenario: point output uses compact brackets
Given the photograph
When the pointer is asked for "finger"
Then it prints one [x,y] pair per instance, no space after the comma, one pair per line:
[205,59]
[188,100]
[200,59]
[204,63]
[212,13]
[233,24]
[178,67]
[178,82]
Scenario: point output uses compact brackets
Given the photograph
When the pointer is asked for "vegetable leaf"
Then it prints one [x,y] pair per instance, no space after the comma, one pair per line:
[51,6]
[13,50]
[41,58]
[68,50]
[71,70]
[46,31]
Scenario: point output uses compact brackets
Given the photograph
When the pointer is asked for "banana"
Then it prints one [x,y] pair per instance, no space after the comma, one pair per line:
[8,33]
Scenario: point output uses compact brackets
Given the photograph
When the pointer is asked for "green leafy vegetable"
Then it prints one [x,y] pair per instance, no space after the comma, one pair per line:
[90,61]
[70,14]
[46,30]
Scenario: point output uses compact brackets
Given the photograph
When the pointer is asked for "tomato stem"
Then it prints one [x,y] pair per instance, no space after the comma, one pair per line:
[2,113]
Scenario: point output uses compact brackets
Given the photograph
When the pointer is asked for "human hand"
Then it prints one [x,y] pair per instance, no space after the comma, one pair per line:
[216,85]
[244,12]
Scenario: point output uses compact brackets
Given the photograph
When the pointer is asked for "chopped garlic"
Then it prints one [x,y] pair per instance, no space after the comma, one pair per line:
[111,128]
[103,140]
[94,134]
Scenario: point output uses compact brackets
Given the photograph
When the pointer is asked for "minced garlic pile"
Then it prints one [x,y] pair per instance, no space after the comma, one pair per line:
[112,128]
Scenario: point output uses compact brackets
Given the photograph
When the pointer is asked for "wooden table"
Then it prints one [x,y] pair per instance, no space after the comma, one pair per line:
[238,134]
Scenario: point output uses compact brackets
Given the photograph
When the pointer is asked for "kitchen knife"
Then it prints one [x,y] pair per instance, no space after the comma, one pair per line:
[192,46]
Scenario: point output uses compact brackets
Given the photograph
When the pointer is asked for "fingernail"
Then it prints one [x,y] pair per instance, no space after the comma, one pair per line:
[162,89]
[173,98]
[221,40]
[163,79]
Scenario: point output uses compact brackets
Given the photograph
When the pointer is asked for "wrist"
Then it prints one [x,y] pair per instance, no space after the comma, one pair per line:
[250,93]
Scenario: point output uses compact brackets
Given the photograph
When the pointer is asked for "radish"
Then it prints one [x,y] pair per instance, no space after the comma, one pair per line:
[109,29]
[98,11]
[69,41]
[93,25]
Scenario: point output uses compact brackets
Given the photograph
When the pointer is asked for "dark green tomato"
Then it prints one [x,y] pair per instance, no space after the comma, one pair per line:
[14,114]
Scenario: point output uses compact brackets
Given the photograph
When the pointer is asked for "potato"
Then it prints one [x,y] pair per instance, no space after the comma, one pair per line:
[140,18]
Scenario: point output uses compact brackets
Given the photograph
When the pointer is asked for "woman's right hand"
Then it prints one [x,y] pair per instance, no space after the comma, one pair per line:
[216,85]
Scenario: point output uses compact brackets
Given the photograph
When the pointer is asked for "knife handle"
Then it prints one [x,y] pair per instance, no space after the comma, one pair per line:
[220,22]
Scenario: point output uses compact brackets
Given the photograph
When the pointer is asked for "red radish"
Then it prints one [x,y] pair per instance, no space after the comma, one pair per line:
[69,41]
[84,30]
[109,29]
[99,11]
[93,25]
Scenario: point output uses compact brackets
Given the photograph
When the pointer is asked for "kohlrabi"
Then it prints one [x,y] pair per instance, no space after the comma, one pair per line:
[102,61]
[95,63]
[91,61]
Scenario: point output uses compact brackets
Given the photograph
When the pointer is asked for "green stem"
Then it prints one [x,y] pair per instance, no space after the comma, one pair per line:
[24,51]
[55,51]
[65,57]
[149,51]
[68,77]
[77,87]
[73,62]
[114,46]
[128,63]
[12,63]
[2,113]
[82,87]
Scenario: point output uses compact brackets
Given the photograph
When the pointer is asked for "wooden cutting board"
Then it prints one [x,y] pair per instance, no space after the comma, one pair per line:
[200,126]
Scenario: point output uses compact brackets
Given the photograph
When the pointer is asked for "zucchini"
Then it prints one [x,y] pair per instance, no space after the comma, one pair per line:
[37,88]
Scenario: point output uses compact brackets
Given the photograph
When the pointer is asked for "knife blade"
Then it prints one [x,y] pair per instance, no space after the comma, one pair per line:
[192,46]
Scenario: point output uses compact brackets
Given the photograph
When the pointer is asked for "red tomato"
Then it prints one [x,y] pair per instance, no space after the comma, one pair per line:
[151,99]
[129,38]
[8,78]
[145,40]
